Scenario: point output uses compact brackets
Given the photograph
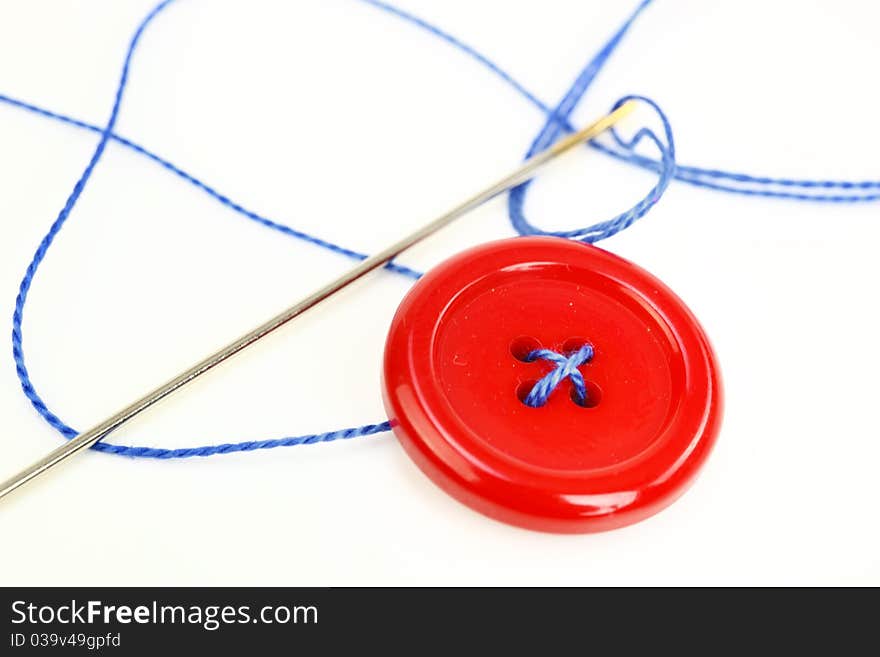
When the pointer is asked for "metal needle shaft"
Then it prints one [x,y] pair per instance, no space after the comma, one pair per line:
[100,431]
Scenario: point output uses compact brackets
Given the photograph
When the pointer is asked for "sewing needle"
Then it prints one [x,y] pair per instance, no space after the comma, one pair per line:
[525,172]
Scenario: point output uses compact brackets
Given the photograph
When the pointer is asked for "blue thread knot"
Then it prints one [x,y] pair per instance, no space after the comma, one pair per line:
[566,367]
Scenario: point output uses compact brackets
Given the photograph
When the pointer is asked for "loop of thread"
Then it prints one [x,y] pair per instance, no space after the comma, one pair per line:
[566,367]
[557,120]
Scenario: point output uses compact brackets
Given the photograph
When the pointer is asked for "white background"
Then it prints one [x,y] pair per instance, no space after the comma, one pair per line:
[345,122]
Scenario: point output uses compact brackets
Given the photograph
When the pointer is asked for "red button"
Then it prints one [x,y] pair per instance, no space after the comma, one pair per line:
[456,375]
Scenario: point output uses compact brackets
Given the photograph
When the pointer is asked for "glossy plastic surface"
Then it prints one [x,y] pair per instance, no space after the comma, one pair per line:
[454,374]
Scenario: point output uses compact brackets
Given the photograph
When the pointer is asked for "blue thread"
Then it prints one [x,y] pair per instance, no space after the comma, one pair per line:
[557,121]
[247,446]
[208,189]
[688,174]
[566,367]
[554,126]
[605,229]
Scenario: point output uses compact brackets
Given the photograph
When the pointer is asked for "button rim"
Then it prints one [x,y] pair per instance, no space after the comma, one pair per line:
[531,500]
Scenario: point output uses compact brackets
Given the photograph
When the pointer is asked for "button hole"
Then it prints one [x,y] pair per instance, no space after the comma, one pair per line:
[594,395]
[521,347]
[523,390]
[573,344]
